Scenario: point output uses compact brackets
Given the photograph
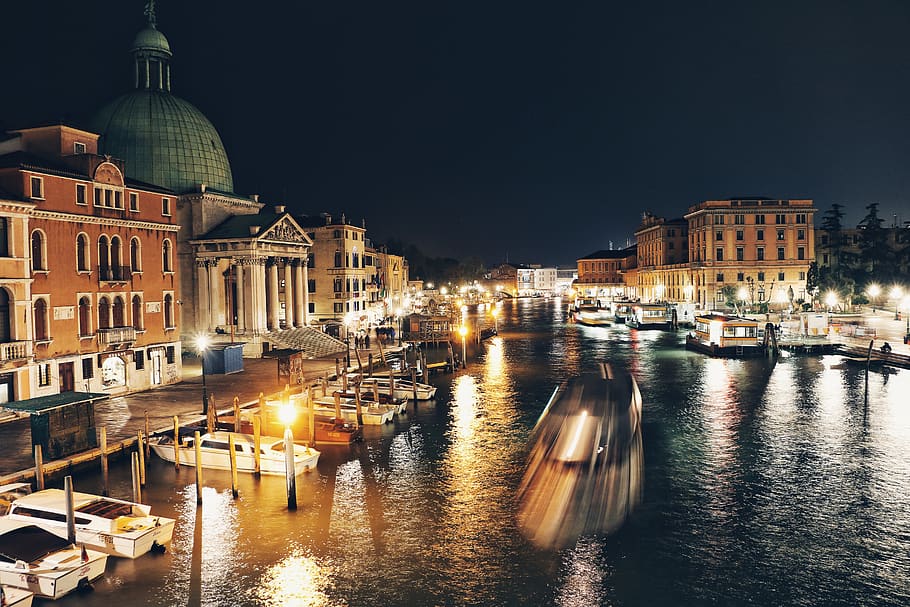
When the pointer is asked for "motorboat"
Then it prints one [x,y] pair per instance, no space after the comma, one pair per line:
[398,405]
[593,316]
[585,468]
[117,527]
[371,414]
[44,563]
[403,388]
[215,452]
[15,597]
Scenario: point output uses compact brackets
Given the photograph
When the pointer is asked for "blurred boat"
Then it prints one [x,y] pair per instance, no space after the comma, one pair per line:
[44,563]
[215,452]
[593,316]
[585,468]
[15,597]
[117,527]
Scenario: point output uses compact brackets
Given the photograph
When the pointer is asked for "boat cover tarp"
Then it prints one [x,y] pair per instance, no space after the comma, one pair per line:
[29,544]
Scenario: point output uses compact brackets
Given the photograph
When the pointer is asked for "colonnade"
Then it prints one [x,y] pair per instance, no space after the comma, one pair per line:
[256,297]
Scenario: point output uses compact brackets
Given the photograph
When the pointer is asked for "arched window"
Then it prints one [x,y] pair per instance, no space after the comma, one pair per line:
[5,330]
[41,328]
[119,320]
[168,310]
[137,312]
[104,258]
[82,260]
[104,313]
[39,258]
[337,259]
[116,258]
[166,256]
[135,255]
[85,317]
[4,237]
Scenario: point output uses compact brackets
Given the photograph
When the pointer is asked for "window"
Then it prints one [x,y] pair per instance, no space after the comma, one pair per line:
[720,278]
[81,193]
[739,219]
[780,218]
[38,251]
[760,253]
[780,234]
[780,276]
[800,234]
[825,259]
[802,276]
[336,233]
[739,234]
[780,253]
[759,234]
[135,255]
[40,314]
[719,235]
[800,252]
[310,261]
[44,374]
[338,308]
[311,285]
[134,201]
[719,220]
[739,254]
[137,312]
[166,256]
[761,276]
[82,261]
[88,369]
[337,259]
[719,255]
[169,354]
[78,147]
[85,322]
[119,312]
[139,359]
[740,276]
[169,312]
[104,313]
[165,206]
[801,218]
[760,219]
[337,286]
[37,187]
[116,259]
[4,237]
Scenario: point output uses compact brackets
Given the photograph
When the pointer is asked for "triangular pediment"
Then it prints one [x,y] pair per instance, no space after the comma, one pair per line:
[286,230]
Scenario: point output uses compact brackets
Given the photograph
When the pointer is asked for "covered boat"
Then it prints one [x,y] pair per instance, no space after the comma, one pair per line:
[215,452]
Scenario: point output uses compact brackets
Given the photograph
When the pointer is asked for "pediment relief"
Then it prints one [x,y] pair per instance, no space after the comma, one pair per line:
[108,174]
[286,230]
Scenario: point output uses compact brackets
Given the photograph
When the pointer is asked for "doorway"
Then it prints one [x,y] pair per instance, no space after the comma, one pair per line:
[67,377]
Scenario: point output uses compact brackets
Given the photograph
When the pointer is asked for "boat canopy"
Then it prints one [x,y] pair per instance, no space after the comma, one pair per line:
[29,543]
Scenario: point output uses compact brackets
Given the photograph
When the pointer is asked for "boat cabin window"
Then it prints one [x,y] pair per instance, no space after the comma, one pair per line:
[737,331]
[107,509]
[215,444]
[57,517]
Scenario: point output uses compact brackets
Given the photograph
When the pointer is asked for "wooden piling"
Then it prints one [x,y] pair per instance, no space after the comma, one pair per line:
[290,475]
[370,363]
[233,455]
[391,383]
[236,414]
[135,475]
[344,382]
[39,469]
[198,449]
[264,412]
[376,394]
[141,450]
[337,396]
[70,509]
[358,405]
[257,443]
[176,444]
[311,406]
[105,485]
[148,447]
[414,382]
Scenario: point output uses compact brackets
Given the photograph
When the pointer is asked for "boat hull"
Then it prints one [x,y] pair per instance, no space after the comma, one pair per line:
[269,463]
[17,597]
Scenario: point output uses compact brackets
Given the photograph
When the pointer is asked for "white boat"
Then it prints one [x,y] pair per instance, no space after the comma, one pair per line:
[372,414]
[214,448]
[403,388]
[44,563]
[15,597]
[117,527]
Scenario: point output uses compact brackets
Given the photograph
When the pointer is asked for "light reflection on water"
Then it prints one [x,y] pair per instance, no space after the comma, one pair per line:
[765,484]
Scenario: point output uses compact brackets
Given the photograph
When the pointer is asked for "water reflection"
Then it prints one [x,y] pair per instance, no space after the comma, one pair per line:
[298,580]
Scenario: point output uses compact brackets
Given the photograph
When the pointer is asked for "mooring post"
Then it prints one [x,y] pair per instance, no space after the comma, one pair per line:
[236,414]
[414,382]
[105,486]
[289,468]
[137,484]
[148,448]
[141,451]
[176,444]
[39,468]
[358,404]
[70,509]
[198,449]
[233,465]
[257,444]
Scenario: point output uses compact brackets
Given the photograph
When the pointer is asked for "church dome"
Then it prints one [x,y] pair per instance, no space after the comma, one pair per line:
[165,141]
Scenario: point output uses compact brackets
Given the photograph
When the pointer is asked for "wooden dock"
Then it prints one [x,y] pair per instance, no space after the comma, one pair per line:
[892,359]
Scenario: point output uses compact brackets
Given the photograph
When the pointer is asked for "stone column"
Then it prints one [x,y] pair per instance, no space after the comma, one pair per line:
[272,292]
[216,295]
[257,296]
[239,304]
[288,295]
[202,296]
[300,287]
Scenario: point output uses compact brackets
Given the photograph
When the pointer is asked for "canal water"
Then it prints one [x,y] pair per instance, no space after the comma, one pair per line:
[765,484]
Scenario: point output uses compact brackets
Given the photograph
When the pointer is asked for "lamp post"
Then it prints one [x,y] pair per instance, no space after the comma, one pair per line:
[202,344]
[873,292]
[896,293]
[831,300]
[463,331]
[742,294]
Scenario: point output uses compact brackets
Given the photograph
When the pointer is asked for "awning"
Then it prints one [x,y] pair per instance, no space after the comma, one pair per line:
[42,404]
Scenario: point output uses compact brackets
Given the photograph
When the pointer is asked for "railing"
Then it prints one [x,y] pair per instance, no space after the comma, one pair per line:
[14,350]
[114,273]
[116,335]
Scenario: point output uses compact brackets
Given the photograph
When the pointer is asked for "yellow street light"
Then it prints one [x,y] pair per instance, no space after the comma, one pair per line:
[831,300]
[463,331]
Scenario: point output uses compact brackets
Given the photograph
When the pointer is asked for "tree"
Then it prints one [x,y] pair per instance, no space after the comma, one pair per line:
[875,252]
[729,294]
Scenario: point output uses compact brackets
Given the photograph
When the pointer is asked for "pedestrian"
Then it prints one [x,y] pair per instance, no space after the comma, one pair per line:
[366,341]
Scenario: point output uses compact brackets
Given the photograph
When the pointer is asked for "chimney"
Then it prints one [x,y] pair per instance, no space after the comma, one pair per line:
[254,230]
[255,197]
[279,209]
[328,219]
[202,188]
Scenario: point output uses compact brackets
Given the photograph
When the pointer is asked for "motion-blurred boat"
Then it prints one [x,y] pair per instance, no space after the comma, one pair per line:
[585,469]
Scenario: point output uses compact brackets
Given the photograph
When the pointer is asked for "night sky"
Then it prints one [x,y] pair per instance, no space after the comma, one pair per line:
[533,132]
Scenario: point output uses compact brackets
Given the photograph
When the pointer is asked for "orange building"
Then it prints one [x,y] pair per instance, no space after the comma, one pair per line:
[99,314]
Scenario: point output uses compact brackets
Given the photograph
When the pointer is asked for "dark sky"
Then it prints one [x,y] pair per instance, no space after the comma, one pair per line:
[532,131]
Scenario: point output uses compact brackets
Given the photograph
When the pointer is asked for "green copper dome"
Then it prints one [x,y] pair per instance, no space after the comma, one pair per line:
[150,39]
[165,141]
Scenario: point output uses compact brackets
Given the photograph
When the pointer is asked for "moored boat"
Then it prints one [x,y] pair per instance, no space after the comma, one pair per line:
[372,414]
[15,597]
[403,388]
[117,527]
[649,316]
[726,336]
[44,563]
[215,452]
[593,316]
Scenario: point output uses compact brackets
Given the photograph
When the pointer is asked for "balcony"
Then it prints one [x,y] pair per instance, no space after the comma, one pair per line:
[15,350]
[108,274]
[116,336]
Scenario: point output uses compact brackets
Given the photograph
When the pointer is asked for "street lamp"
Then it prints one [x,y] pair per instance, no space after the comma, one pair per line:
[495,313]
[742,294]
[463,331]
[202,344]
[873,292]
[896,293]
[831,300]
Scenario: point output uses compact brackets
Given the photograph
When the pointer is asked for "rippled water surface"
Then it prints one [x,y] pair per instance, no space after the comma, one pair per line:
[765,484]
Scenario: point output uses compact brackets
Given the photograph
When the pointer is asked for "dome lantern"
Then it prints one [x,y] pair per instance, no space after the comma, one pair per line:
[152,55]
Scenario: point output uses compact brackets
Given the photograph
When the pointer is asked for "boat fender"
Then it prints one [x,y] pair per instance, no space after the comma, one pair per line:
[84,586]
[157,548]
